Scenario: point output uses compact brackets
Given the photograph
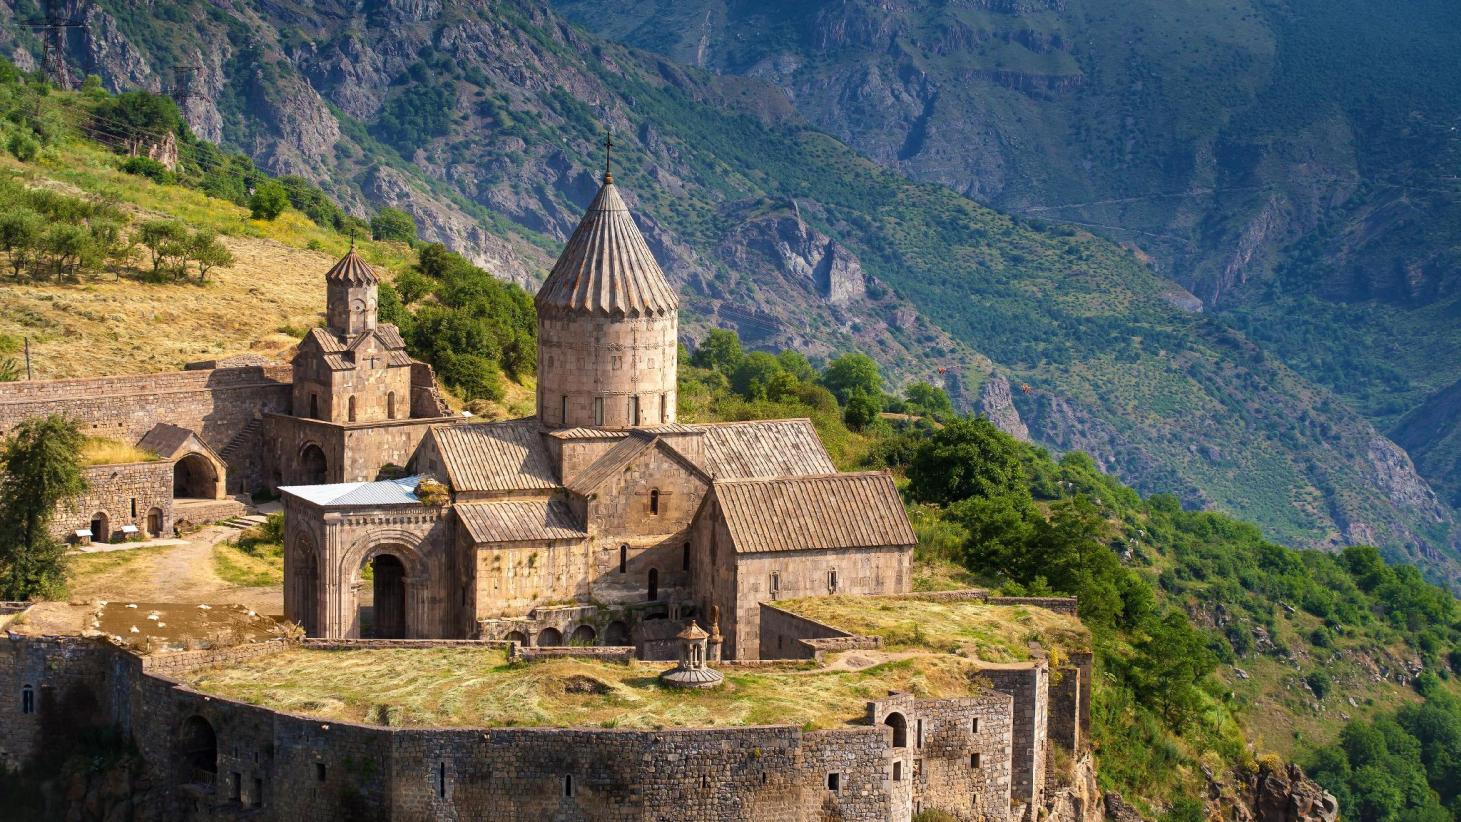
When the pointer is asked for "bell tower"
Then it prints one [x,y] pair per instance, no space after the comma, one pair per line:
[608,326]
[351,295]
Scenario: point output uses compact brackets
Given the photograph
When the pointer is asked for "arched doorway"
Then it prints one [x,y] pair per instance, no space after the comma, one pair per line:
[388,599]
[101,530]
[154,523]
[194,476]
[517,636]
[309,593]
[197,750]
[549,638]
[616,633]
[899,725]
[583,635]
[313,468]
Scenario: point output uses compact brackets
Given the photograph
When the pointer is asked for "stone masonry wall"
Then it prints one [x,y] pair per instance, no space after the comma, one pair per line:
[67,683]
[217,404]
[1065,688]
[963,764]
[783,634]
[1028,684]
[125,493]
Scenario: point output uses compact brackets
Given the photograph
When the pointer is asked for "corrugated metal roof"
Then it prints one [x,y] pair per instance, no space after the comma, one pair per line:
[611,462]
[606,267]
[385,492]
[765,448]
[518,521]
[351,269]
[814,513]
[495,456]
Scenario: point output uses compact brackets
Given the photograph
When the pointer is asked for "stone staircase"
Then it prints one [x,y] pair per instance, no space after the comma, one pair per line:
[244,521]
[239,445]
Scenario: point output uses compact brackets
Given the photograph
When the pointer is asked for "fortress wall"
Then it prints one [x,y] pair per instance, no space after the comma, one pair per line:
[1029,685]
[1085,662]
[953,732]
[1059,605]
[217,403]
[68,678]
[1064,726]
[125,493]
[782,633]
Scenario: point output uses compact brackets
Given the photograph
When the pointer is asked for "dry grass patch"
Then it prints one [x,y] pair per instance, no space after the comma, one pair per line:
[259,567]
[444,687]
[993,633]
[90,575]
[104,451]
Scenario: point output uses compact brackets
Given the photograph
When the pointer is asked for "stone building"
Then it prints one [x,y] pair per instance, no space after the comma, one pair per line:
[351,403]
[601,520]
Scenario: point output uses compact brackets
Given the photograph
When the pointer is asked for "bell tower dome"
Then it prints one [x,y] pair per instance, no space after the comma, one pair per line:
[608,327]
[351,294]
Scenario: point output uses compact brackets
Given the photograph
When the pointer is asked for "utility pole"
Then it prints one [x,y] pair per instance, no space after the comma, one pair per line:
[28,375]
[53,55]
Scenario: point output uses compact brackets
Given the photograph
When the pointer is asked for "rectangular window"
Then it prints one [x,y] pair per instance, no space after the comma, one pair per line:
[235,786]
[568,785]
[897,771]
[27,700]
[662,404]
[258,792]
[834,781]
[598,410]
[973,760]
[832,580]
[134,507]
[775,583]
[919,734]
[319,772]
[974,725]
[563,410]
[634,410]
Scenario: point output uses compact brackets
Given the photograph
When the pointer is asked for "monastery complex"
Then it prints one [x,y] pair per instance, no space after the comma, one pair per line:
[566,559]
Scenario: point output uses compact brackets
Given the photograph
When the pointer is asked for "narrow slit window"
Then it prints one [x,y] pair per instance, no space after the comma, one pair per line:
[350,404]
[662,406]
[775,583]
[834,781]
[634,410]
[654,501]
[685,557]
[441,780]
[391,405]
[973,760]
[319,772]
[568,785]
[897,771]
[598,410]
[919,734]
[27,700]
[974,725]
[563,410]
[623,559]
[832,580]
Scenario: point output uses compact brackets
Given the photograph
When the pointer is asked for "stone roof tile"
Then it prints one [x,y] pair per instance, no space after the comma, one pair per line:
[495,456]
[765,448]
[519,521]
[352,269]
[827,512]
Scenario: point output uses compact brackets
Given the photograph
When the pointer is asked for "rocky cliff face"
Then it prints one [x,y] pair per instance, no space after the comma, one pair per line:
[485,123]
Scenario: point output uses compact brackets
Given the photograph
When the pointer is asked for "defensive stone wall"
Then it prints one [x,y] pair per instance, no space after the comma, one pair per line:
[623,654]
[48,686]
[1028,684]
[217,404]
[123,494]
[785,635]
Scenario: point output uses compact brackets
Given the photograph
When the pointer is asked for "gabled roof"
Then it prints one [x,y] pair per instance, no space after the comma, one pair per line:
[814,513]
[495,456]
[170,442]
[385,492]
[764,448]
[619,457]
[606,268]
[338,353]
[353,270]
[518,521]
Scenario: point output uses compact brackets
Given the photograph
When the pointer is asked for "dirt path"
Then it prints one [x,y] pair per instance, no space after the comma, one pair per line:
[175,573]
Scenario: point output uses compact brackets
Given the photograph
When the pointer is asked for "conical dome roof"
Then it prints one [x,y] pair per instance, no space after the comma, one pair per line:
[351,269]
[607,268]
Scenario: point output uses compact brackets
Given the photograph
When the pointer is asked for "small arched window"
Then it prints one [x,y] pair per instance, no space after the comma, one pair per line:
[27,700]
[654,501]
[314,406]
[351,405]
[391,405]
[568,785]
[685,557]
[623,559]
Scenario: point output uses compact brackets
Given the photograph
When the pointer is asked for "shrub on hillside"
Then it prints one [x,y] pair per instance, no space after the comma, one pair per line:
[268,200]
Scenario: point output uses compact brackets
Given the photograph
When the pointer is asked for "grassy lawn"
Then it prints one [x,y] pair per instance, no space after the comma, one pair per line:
[258,566]
[476,687]
[993,633]
[87,574]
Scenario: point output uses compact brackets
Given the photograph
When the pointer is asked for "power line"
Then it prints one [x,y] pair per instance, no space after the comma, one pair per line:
[53,44]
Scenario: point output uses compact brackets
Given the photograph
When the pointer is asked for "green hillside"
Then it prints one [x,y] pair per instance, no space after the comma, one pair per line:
[485,123]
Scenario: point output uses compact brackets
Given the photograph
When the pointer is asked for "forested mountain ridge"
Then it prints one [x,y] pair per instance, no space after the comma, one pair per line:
[1292,163]
[485,121]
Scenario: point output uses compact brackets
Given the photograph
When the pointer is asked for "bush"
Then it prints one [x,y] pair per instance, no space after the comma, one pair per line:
[393,224]
[23,146]
[149,168]
[268,201]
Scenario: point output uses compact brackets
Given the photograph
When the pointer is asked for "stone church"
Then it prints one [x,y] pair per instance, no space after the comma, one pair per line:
[599,521]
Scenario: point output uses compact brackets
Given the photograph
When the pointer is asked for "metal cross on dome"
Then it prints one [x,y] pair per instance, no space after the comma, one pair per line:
[608,149]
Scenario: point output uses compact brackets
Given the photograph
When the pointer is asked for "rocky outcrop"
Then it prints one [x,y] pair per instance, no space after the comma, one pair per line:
[801,254]
[996,403]
[1078,801]
[1285,795]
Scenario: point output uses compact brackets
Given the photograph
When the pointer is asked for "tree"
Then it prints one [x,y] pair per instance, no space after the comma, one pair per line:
[207,252]
[968,457]
[66,247]
[138,114]
[752,378]
[166,240]
[20,228]
[850,373]
[862,408]
[268,201]
[394,225]
[928,400]
[41,467]
[719,351]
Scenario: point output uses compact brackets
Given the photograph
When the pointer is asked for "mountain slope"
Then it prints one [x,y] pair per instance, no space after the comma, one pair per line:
[485,121]
[1292,162]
